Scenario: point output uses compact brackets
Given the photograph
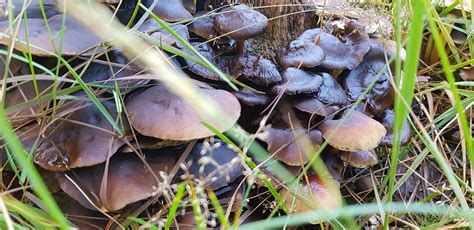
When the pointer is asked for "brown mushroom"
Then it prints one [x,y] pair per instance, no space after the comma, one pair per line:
[289,146]
[206,51]
[358,132]
[255,69]
[240,22]
[76,39]
[360,159]
[251,98]
[79,138]
[338,55]
[314,106]
[156,112]
[203,25]
[298,81]
[152,27]
[300,53]
[330,91]
[127,179]
[171,10]
[32,9]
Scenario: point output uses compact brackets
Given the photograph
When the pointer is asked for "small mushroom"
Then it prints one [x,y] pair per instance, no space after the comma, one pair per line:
[360,159]
[330,91]
[467,73]
[387,119]
[152,27]
[298,81]
[255,69]
[206,51]
[79,138]
[313,195]
[171,10]
[251,98]
[338,55]
[76,39]
[156,112]
[300,53]
[288,146]
[214,164]
[358,132]
[240,22]
[314,106]
[203,25]
[127,180]
[373,70]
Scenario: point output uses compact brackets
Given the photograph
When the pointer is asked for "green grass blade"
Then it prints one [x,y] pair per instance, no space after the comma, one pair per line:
[218,209]
[175,205]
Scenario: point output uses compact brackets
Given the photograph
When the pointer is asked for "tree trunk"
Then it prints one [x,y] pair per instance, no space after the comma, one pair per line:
[287,20]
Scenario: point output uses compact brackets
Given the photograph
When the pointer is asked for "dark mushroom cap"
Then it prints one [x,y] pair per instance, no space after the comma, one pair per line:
[152,27]
[76,38]
[314,195]
[80,138]
[249,97]
[300,53]
[358,132]
[255,69]
[128,180]
[338,55]
[467,73]
[171,10]
[144,142]
[298,81]
[32,9]
[330,91]
[288,146]
[373,68]
[203,25]
[156,112]
[25,92]
[214,164]
[240,22]
[27,135]
[314,106]
[360,159]
[387,119]
[206,51]
[13,67]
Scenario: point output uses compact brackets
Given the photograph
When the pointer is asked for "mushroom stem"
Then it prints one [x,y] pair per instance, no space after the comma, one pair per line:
[239,49]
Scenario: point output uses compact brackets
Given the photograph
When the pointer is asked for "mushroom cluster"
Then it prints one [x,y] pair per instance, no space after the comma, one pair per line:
[305,93]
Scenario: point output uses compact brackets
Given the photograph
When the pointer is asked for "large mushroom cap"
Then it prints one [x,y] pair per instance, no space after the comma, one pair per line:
[214,164]
[298,81]
[373,69]
[76,38]
[255,69]
[330,91]
[288,146]
[300,53]
[82,138]
[240,22]
[358,132]
[338,55]
[171,10]
[128,180]
[156,112]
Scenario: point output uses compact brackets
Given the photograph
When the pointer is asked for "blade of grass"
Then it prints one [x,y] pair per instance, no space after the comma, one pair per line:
[175,205]
[406,87]
[218,209]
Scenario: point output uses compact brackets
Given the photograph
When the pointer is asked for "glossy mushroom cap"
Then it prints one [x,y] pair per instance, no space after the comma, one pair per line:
[314,106]
[288,146]
[76,38]
[330,91]
[360,159]
[358,132]
[128,180]
[373,70]
[338,55]
[203,25]
[214,164]
[387,119]
[80,138]
[171,10]
[251,98]
[156,112]
[298,81]
[240,22]
[255,69]
[300,53]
